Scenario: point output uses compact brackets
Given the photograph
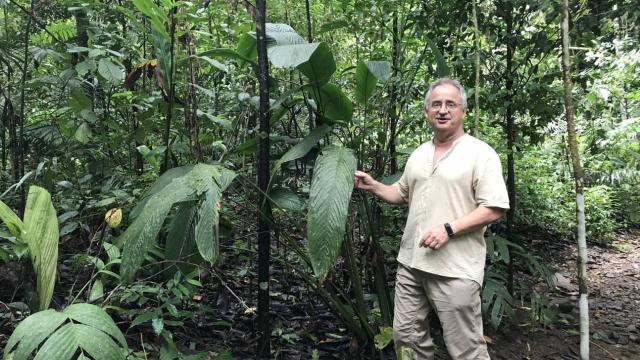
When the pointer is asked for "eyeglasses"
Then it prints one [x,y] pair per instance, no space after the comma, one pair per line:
[450,105]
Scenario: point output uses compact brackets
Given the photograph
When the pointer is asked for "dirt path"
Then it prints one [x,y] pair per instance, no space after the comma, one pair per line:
[614,305]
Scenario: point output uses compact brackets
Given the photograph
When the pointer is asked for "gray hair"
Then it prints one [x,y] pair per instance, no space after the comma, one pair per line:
[443,81]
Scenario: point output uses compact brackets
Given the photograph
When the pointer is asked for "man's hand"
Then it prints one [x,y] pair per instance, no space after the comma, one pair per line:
[434,238]
[388,193]
[364,181]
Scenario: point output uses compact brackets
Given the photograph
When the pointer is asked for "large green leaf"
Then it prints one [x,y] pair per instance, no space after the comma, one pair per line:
[329,197]
[290,56]
[286,199]
[206,227]
[333,103]
[157,17]
[282,34]
[182,184]
[181,244]
[314,60]
[302,148]
[215,63]
[41,226]
[59,335]
[442,69]
[368,73]
[65,342]
[111,72]
[31,332]
[247,49]
[83,133]
[320,66]
[13,222]
[165,179]
[95,317]
[143,231]
[226,53]
[78,101]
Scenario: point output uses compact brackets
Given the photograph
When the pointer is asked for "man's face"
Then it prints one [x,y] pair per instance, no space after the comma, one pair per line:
[444,109]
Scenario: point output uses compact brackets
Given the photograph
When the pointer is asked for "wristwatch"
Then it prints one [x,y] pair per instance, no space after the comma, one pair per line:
[450,232]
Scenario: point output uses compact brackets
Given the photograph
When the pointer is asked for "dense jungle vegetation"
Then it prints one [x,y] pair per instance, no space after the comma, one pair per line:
[176,181]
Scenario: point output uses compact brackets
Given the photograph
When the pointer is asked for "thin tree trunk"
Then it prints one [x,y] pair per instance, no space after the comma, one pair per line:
[393,96]
[264,228]
[82,38]
[511,132]
[172,93]
[578,175]
[191,106]
[309,30]
[20,119]
[3,118]
[476,103]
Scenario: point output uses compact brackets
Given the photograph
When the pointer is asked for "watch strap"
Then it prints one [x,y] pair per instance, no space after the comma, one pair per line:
[449,230]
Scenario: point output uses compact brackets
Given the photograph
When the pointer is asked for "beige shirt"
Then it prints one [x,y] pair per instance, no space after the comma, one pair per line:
[468,175]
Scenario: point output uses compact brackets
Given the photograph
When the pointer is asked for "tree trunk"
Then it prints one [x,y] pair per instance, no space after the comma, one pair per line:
[18,170]
[511,131]
[577,173]
[309,30]
[393,96]
[191,105]
[82,38]
[264,228]
[476,103]
[2,135]
[172,92]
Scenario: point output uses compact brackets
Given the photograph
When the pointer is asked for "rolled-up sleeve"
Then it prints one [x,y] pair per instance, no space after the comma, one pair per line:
[489,185]
[403,186]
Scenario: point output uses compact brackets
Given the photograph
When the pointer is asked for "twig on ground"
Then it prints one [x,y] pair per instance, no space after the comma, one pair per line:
[603,349]
[229,289]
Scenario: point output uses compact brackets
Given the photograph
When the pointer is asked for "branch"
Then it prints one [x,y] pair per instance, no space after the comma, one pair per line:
[42,26]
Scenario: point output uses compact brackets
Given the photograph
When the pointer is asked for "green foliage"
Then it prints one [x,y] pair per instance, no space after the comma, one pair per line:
[496,300]
[180,246]
[302,148]
[63,30]
[93,134]
[40,232]
[329,196]
[546,199]
[333,103]
[160,306]
[113,73]
[368,73]
[314,60]
[600,213]
[188,183]
[155,14]
[60,335]
[286,199]
[384,337]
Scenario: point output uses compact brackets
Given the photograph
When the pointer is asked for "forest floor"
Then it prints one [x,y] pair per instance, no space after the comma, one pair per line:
[614,305]
[304,325]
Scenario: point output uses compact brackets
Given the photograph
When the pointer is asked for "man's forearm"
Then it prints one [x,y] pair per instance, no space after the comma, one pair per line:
[388,193]
[476,219]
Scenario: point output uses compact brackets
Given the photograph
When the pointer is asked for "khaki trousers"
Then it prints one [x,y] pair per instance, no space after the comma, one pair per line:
[457,303]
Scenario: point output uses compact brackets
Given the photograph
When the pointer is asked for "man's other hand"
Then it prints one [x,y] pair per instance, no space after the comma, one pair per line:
[434,238]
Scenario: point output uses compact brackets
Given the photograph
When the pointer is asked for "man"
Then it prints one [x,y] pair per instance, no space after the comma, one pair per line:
[454,187]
